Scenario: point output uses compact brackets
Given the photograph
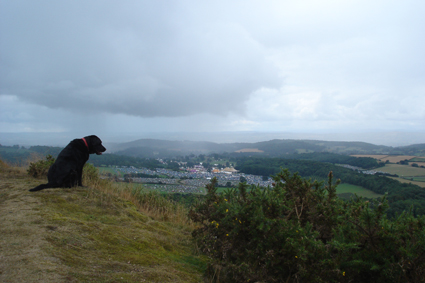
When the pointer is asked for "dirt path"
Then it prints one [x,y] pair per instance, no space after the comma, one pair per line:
[23,248]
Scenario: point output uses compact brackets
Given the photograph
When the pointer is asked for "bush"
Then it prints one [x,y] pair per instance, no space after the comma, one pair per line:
[90,174]
[299,231]
[40,168]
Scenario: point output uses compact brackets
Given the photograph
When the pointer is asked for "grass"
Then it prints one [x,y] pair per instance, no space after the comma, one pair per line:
[345,189]
[106,239]
[112,171]
[406,173]
[418,159]
[105,232]
[403,170]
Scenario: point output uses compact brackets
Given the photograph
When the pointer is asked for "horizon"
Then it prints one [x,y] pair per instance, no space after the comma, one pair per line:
[392,139]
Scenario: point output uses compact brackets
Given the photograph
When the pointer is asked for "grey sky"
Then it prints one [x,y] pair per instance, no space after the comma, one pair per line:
[143,66]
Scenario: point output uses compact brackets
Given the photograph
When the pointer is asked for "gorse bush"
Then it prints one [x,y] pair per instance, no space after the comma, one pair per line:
[90,174]
[299,231]
[40,168]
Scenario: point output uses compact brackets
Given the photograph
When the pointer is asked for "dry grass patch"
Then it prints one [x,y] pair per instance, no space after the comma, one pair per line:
[24,251]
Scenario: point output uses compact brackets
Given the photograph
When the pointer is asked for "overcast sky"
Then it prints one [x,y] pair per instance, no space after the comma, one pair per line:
[114,67]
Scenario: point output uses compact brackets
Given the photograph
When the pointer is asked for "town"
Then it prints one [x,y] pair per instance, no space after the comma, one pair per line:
[189,180]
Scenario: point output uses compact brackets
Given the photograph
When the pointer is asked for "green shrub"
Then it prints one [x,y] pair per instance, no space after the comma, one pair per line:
[40,168]
[299,231]
[90,174]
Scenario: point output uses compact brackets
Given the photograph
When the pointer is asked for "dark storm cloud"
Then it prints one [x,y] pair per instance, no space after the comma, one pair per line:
[141,58]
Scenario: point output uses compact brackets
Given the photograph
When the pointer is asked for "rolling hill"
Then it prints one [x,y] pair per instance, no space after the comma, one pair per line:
[272,148]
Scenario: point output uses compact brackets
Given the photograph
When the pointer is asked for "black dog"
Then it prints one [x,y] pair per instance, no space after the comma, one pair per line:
[67,170]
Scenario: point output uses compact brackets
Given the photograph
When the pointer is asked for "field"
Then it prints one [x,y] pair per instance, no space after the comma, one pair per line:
[406,173]
[360,191]
[112,171]
[403,170]
[419,163]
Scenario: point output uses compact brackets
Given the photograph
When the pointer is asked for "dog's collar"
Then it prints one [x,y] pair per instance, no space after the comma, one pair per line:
[84,140]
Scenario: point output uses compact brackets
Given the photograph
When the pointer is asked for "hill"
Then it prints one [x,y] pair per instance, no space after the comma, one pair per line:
[88,234]
[272,148]
[115,232]
[155,148]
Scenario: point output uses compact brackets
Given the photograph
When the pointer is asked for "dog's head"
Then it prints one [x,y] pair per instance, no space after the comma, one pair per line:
[94,144]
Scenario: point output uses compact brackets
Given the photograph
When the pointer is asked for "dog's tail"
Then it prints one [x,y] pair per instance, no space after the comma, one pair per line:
[42,187]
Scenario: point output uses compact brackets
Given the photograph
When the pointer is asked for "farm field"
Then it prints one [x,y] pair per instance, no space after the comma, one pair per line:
[407,173]
[360,191]
[403,170]
[419,163]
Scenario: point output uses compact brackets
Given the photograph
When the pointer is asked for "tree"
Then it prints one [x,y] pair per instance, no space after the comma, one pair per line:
[173,166]
[299,231]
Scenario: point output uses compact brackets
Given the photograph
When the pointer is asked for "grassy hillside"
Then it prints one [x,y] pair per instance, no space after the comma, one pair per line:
[100,233]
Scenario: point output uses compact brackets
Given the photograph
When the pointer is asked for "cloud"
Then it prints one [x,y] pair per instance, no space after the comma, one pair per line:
[151,63]
[212,65]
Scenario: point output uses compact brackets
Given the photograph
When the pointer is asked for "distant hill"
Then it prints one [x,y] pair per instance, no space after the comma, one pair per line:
[272,148]
[156,148]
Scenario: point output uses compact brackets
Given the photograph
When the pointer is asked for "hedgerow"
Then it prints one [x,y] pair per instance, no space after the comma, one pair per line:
[299,231]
